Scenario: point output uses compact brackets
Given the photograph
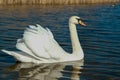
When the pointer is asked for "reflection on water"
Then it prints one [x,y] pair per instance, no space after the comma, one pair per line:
[54,71]
[100,40]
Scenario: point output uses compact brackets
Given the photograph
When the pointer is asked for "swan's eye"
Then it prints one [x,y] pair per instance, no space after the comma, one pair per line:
[78,19]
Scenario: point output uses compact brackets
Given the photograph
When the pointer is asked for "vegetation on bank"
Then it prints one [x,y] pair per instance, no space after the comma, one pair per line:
[60,2]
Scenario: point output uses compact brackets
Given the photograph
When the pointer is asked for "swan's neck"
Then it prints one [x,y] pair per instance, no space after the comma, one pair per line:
[74,38]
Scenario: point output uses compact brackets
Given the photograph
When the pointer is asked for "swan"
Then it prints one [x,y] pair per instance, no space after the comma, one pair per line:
[39,46]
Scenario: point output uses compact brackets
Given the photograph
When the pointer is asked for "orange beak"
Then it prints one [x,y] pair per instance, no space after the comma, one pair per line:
[82,23]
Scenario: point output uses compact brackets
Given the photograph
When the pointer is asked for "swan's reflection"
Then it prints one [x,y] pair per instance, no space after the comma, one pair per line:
[54,71]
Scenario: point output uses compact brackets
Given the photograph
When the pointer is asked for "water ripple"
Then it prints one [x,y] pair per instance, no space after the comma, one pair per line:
[100,41]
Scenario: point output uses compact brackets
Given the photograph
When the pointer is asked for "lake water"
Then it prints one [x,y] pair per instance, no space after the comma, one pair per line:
[100,41]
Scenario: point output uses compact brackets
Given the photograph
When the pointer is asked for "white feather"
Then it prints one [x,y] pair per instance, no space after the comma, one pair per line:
[35,42]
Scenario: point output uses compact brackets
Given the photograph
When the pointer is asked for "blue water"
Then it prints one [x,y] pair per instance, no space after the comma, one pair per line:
[100,41]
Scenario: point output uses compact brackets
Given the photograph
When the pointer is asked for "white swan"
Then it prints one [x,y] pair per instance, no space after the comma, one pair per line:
[39,46]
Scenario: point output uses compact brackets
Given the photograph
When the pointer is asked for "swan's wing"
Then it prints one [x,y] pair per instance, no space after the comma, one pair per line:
[41,42]
[22,46]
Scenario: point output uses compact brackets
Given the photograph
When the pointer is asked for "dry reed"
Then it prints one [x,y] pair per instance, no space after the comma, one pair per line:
[60,2]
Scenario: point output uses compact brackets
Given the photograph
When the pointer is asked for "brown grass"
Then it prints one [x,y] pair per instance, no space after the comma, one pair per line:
[60,2]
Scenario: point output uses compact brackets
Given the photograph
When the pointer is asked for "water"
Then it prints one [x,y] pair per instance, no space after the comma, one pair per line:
[100,41]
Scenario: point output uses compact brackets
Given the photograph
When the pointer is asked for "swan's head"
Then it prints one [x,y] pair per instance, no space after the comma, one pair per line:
[76,20]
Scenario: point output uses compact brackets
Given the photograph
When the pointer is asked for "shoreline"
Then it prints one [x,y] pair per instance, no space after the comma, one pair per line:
[55,2]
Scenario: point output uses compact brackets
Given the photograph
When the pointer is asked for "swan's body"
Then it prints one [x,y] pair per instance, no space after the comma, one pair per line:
[39,46]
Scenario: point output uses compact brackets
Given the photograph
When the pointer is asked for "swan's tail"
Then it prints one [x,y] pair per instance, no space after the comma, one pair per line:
[6,51]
